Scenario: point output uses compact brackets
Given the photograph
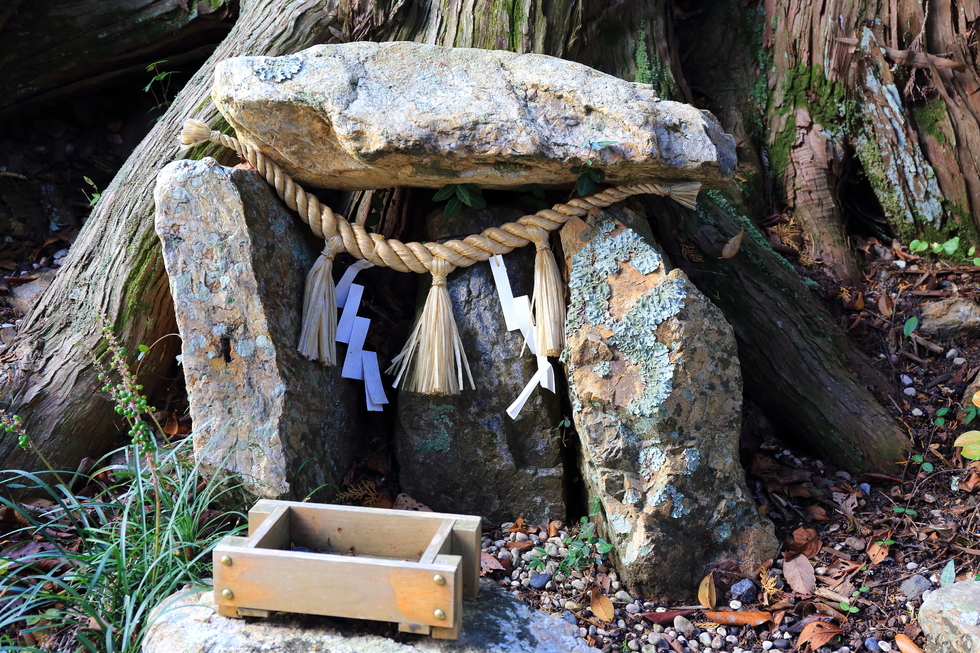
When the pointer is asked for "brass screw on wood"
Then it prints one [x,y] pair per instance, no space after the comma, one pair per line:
[438,579]
[228,594]
[438,614]
[226,561]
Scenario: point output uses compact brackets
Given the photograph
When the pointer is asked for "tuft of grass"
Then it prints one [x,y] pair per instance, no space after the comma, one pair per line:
[82,571]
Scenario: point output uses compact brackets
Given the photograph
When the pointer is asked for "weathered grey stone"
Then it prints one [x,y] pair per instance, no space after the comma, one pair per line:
[462,452]
[372,115]
[950,618]
[494,622]
[656,395]
[951,318]
[913,587]
[24,295]
[237,261]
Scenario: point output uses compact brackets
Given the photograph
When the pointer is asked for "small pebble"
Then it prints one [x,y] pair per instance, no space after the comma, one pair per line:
[624,597]
[744,591]
[632,608]
[593,630]
[865,488]
[721,630]
[871,644]
[735,605]
[694,645]
[959,361]
[520,537]
[731,639]
[910,392]
[633,645]
[683,625]
[952,353]
[781,643]
[573,606]
[884,646]
[906,379]
[655,639]
[579,585]
[539,581]
[648,648]
[766,645]
[917,412]
[705,638]
[717,642]
[911,565]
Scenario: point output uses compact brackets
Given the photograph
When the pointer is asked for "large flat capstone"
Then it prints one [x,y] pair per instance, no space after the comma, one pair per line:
[373,115]
[494,622]
[656,394]
[237,262]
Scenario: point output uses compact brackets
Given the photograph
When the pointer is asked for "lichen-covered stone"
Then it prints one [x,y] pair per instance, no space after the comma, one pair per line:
[493,623]
[950,618]
[237,261]
[372,115]
[462,453]
[656,394]
[951,318]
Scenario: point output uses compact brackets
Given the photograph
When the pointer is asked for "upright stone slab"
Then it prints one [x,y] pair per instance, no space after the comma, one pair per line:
[656,394]
[950,618]
[372,115]
[462,452]
[237,261]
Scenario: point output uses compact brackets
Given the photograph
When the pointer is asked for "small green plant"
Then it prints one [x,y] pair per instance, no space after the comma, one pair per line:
[904,511]
[159,86]
[924,466]
[847,607]
[460,195]
[940,419]
[94,198]
[583,548]
[534,198]
[911,325]
[949,248]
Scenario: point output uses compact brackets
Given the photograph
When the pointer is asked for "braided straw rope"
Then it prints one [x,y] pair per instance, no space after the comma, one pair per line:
[433,360]
[418,257]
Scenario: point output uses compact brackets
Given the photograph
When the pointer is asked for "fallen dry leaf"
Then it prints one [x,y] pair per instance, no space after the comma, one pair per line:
[818,634]
[663,618]
[603,581]
[601,606]
[489,563]
[878,552]
[732,246]
[799,574]
[817,513]
[886,305]
[848,502]
[553,529]
[405,502]
[739,618]
[906,645]
[518,526]
[706,592]
[804,541]
[519,546]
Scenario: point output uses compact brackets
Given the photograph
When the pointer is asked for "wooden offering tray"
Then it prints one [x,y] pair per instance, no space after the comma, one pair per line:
[413,568]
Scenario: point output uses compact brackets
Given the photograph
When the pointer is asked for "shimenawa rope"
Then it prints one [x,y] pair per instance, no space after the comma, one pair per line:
[433,360]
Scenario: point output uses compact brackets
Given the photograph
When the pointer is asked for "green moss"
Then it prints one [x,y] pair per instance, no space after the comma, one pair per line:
[644,73]
[779,150]
[929,117]
[440,439]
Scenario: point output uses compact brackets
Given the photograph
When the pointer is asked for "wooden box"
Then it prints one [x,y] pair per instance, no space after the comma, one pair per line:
[412,568]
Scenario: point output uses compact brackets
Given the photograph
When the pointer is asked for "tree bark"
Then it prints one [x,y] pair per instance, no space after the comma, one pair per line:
[55,48]
[52,382]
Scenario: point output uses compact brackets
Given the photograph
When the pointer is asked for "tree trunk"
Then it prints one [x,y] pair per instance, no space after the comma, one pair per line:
[52,381]
[54,48]
[882,93]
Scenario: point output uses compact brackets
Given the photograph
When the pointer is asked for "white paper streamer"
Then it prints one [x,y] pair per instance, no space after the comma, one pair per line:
[346,322]
[353,368]
[504,292]
[374,389]
[343,286]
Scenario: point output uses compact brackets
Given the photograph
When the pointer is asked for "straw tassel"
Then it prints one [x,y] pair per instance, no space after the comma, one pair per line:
[432,361]
[318,339]
[548,298]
